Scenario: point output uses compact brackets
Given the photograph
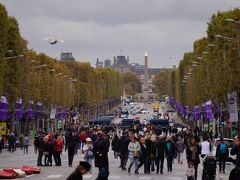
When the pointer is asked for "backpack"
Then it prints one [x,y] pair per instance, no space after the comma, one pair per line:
[223,148]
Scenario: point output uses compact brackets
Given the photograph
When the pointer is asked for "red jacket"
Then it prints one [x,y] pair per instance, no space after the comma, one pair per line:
[83,136]
[58,145]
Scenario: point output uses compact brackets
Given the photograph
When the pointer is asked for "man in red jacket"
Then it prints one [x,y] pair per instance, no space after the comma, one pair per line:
[83,137]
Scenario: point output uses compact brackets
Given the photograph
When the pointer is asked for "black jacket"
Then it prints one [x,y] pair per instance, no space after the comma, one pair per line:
[160,147]
[189,154]
[100,149]
[123,144]
[236,151]
[75,176]
[148,147]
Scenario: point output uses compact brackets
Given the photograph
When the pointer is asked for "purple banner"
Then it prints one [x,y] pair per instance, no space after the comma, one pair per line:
[30,110]
[18,109]
[208,110]
[61,113]
[39,110]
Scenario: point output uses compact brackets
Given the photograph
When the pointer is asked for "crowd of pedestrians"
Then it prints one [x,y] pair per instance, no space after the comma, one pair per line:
[139,150]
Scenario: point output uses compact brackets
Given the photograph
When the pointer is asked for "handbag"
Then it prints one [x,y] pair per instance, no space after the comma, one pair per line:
[89,154]
[136,154]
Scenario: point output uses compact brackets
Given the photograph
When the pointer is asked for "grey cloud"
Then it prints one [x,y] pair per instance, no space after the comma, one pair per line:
[100,28]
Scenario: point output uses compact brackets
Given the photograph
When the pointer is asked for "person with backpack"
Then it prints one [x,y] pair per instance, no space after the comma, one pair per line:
[222,153]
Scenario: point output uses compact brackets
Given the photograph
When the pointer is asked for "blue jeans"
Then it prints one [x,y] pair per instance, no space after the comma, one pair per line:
[25,149]
[89,160]
[169,163]
[134,161]
[103,173]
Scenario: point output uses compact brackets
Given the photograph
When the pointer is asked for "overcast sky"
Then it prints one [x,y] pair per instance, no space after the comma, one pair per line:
[101,28]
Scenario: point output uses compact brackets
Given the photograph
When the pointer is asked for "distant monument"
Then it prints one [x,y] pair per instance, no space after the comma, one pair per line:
[146,78]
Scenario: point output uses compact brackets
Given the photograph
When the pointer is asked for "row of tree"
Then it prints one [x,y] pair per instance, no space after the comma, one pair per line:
[38,77]
[212,69]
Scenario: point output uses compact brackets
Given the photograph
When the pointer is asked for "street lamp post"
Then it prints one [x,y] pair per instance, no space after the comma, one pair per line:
[40,90]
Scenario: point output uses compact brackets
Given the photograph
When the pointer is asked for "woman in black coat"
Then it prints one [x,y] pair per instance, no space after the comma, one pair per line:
[193,151]
[115,146]
[143,156]
[100,149]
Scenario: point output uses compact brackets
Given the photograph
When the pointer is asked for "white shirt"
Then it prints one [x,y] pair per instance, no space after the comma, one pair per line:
[205,148]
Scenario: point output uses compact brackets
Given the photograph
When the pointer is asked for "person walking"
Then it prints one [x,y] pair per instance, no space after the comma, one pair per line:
[153,152]
[40,147]
[235,172]
[222,153]
[206,147]
[25,144]
[142,158]
[123,150]
[236,151]
[115,146]
[170,151]
[46,150]
[100,149]
[160,153]
[11,142]
[190,171]
[134,153]
[58,150]
[193,151]
[180,148]
[71,146]
[88,152]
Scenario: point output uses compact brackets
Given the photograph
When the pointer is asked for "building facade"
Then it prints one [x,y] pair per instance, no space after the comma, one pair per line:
[66,56]
[121,64]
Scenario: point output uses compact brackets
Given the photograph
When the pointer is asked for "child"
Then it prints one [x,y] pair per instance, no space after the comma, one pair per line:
[190,171]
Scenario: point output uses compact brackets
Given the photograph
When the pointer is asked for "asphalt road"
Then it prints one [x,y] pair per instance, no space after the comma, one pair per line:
[17,159]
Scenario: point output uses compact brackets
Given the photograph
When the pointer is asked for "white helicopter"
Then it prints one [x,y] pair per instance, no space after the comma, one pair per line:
[53,41]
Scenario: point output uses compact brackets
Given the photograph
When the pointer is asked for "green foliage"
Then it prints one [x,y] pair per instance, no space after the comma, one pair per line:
[39,77]
[131,83]
[3,42]
[217,73]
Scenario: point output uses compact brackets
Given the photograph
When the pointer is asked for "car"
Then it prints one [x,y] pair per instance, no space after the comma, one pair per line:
[144,111]
[229,142]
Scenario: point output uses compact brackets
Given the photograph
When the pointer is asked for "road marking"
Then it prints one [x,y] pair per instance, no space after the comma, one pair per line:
[114,177]
[54,176]
[174,178]
[145,177]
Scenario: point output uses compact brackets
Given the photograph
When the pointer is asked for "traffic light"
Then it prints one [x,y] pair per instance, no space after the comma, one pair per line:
[222,121]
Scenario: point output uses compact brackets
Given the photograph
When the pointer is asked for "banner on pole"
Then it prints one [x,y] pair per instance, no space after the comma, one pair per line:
[232,105]
[53,113]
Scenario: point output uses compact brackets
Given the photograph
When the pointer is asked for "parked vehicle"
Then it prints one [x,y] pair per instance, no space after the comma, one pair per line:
[159,122]
[129,122]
